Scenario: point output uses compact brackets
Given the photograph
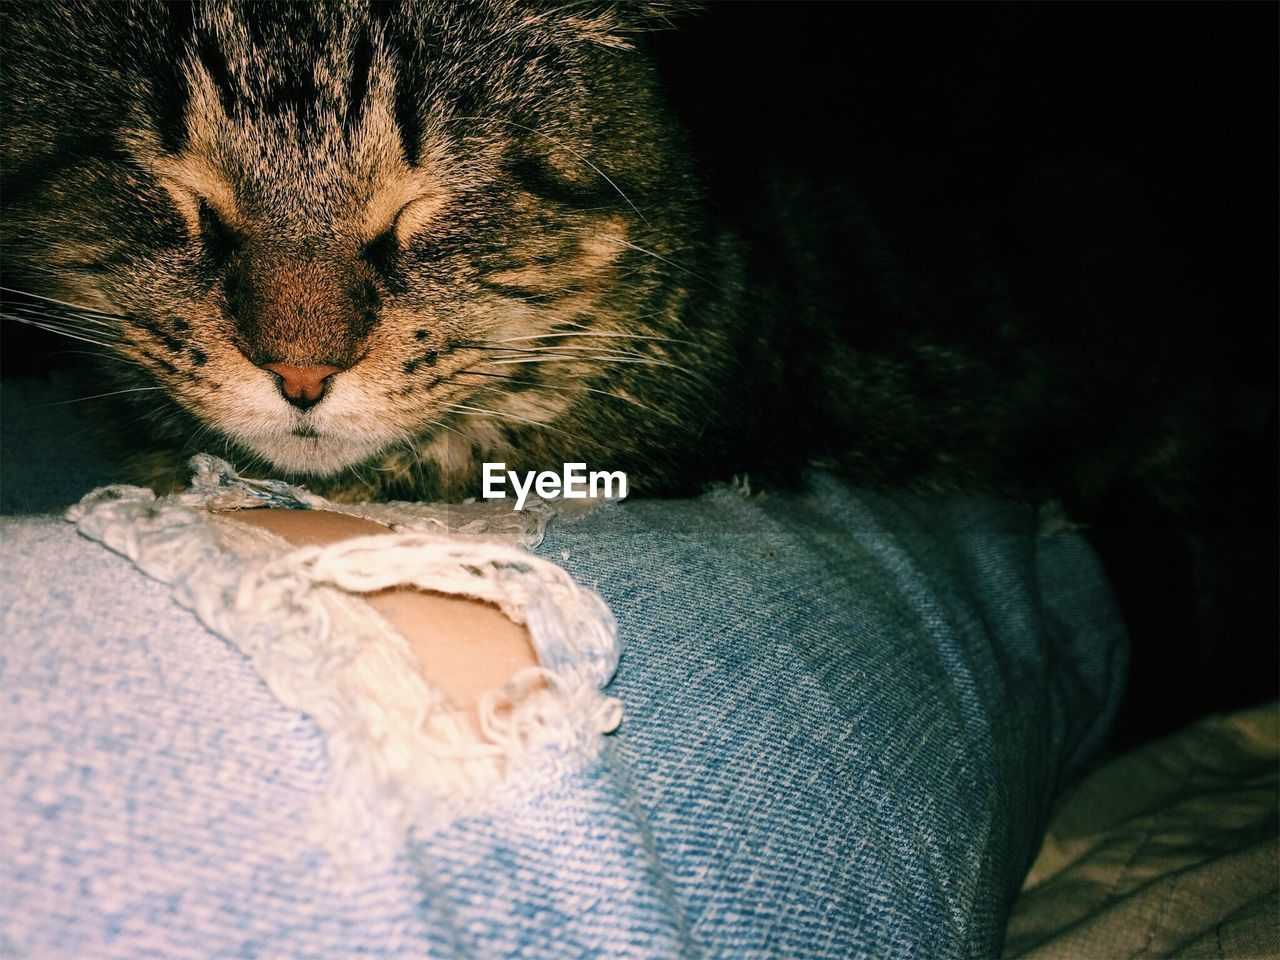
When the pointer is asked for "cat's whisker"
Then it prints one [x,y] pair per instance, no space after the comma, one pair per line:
[46,269]
[68,318]
[443,425]
[578,325]
[97,336]
[87,336]
[34,319]
[196,437]
[470,411]
[551,388]
[415,471]
[75,306]
[565,375]
[564,146]
[541,299]
[657,256]
[592,333]
[95,396]
[582,358]
[98,354]
[59,270]
[56,329]
[569,353]
[481,373]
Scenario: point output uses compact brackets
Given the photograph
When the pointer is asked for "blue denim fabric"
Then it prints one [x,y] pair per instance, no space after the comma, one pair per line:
[845,716]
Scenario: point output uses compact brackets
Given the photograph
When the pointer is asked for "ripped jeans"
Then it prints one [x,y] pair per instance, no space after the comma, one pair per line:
[835,728]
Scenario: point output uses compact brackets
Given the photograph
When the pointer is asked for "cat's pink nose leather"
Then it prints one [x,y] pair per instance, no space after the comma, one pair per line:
[303,385]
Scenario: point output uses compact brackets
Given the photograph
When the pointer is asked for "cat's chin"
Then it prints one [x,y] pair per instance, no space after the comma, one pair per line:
[315,455]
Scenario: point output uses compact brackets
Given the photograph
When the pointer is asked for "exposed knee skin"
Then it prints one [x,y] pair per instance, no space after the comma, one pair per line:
[464,647]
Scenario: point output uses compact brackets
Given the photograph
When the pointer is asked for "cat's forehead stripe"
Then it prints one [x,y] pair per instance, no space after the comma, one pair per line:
[361,65]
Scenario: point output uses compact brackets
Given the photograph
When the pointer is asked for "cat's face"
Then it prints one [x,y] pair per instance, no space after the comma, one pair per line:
[330,231]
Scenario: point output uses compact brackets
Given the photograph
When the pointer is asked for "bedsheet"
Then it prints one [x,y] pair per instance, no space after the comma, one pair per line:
[1170,850]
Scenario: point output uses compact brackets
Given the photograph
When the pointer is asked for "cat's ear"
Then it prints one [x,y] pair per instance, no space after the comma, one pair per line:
[618,24]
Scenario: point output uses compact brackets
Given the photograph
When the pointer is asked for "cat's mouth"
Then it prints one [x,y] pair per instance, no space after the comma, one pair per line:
[350,423]
[309,452]
[338,432]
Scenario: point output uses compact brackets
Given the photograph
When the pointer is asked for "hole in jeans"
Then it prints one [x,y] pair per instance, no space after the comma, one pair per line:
[464,647]
[288,587]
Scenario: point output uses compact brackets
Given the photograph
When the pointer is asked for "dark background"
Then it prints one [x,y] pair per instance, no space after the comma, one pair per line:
[1120,161]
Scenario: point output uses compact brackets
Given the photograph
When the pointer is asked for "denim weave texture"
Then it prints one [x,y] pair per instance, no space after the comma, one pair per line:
[845,716]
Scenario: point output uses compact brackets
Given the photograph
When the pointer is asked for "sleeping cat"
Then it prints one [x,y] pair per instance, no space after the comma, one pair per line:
[369,247]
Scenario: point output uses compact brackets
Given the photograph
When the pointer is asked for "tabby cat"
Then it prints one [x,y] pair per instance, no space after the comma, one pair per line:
[369,246]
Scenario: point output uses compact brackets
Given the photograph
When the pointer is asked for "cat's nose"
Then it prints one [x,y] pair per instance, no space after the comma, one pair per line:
[303,386]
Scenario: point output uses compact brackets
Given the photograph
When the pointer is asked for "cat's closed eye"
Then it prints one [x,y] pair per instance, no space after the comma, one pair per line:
[416,216]
[381,253]
[219,240]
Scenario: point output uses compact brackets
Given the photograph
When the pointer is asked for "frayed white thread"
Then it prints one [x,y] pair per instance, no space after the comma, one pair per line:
[215,485]
[399,757]
[572,630]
